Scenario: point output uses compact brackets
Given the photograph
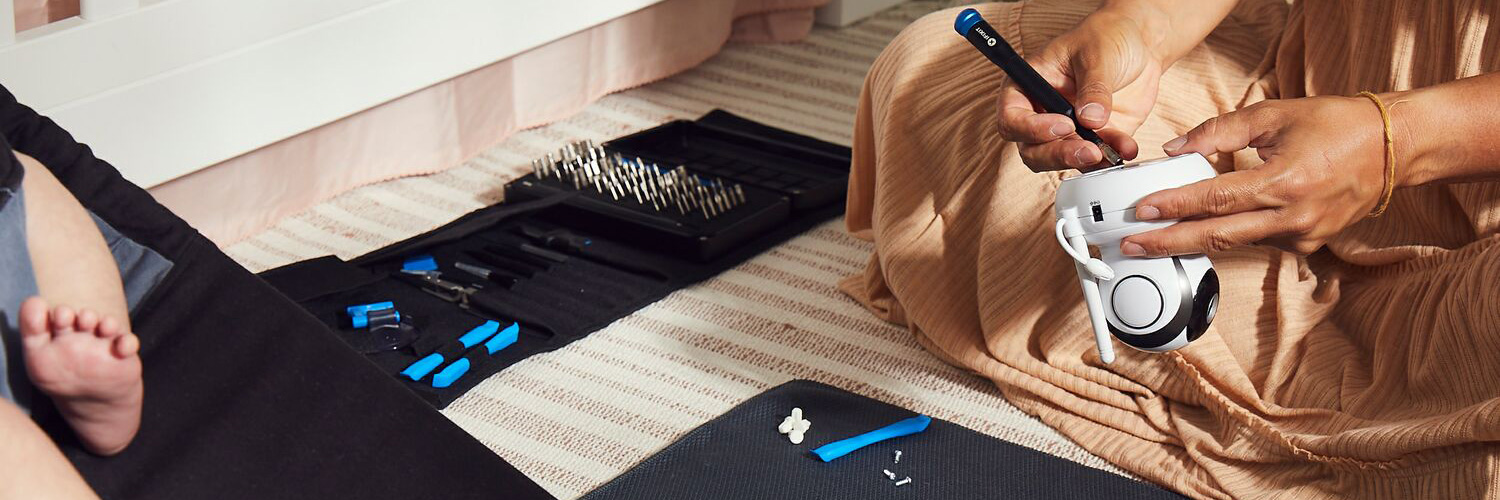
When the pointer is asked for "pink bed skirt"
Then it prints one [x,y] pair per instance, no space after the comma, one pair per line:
[443,125]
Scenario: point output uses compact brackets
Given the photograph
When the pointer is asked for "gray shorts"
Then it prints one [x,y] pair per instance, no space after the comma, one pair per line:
[141,269]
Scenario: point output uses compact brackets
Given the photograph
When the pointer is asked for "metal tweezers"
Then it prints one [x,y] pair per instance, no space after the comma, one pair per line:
[433,283]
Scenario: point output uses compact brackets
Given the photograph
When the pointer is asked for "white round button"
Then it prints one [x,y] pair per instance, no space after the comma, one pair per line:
[1136,301]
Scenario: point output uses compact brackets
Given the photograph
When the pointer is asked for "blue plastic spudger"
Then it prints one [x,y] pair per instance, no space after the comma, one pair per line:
[454,370]
[422,367]
[479,334]
[503,339]
[907,427]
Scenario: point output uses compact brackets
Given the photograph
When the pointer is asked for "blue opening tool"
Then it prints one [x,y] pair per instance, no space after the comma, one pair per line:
[994,47]
[460,366]
[907,427]
[503,339]
[422,367]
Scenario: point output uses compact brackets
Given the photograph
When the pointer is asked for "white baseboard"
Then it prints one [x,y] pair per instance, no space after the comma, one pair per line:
[178,85]
[845,12]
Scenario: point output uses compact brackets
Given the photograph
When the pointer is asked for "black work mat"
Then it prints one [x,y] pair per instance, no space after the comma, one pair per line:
[739,455]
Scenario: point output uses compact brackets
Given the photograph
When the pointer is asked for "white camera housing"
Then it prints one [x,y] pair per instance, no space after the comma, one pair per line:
[1151,304]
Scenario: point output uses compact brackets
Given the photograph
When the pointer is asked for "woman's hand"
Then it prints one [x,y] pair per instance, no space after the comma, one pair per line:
[1324,170]
[1105,67]
[1108,67]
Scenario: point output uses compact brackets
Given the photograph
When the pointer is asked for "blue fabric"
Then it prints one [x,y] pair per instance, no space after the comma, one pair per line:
[17,282]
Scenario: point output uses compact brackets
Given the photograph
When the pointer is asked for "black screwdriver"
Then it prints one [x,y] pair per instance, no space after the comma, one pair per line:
[989,42]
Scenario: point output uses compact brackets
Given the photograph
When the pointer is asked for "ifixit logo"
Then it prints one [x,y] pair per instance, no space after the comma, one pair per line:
[988,40]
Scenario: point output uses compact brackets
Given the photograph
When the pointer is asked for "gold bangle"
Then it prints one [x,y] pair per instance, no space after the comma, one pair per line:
[1390,155]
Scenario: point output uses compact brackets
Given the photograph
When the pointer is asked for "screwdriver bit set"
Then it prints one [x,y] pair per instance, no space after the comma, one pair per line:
[693,189]
[586,166]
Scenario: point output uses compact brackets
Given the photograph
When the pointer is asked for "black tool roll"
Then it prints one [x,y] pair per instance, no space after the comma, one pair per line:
[740,455]
[560,262]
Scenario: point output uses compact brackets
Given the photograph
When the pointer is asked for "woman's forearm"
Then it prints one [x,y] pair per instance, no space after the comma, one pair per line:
[1175,26]
[1448,132]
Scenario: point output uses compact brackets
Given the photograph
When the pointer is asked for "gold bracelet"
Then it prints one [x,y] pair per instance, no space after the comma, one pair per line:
[1390,156]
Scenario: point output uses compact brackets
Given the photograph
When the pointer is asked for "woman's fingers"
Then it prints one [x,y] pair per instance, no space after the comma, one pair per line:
[1228,132]
[1121,141]
[1022,124]
[1097,78]
[1233,192]
[1061,154]
[1204,235]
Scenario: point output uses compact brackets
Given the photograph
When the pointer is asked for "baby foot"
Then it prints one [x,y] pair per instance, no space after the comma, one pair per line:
[89,367]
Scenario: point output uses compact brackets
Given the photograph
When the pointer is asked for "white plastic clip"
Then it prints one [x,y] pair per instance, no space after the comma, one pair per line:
[1095,267]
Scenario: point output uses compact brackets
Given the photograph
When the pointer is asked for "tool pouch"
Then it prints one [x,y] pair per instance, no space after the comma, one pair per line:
[556,293]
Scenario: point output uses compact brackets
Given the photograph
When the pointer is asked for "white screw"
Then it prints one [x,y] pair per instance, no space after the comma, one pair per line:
[889,474]
[898,456]
[903,481]
[794,426]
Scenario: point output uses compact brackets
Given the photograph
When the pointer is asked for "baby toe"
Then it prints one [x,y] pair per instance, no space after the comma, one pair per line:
[110,328]
[88,321]
[62,320]
[126,345]
[33,318]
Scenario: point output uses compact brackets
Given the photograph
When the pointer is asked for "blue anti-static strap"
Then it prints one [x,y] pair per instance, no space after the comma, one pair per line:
[836,449]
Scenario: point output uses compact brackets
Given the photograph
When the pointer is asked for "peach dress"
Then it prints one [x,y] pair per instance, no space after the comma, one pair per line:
[1367,370]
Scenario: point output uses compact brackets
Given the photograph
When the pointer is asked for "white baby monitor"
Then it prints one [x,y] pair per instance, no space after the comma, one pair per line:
[1151,304]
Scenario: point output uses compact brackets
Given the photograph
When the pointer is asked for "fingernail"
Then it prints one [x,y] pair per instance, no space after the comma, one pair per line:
[1132,249]
[1174,144]
[1147,212]
[1093,112]
[1082,158]
[1062,129]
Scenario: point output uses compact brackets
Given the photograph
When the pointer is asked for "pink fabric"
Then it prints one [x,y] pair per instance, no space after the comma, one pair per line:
[442,125]
[33,13]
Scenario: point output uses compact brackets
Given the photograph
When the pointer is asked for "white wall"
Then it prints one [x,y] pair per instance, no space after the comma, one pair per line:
[177,85]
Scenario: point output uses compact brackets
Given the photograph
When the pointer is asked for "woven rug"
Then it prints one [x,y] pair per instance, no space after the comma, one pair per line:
[575,418]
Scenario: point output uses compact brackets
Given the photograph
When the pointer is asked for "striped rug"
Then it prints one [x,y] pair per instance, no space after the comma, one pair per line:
[575,418]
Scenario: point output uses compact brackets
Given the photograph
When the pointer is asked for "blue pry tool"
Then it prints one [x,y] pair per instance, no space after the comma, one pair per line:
[422,367]
[907,427]
[420,263]
[503,339]
[359,315]
[450,374]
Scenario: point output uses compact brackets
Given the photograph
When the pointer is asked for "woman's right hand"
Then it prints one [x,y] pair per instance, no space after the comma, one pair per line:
[1107,68]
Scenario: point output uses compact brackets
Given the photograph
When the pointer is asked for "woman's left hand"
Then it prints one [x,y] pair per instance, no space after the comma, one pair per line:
[1324,170]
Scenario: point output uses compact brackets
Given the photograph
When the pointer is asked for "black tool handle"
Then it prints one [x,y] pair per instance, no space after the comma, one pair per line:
[998,51]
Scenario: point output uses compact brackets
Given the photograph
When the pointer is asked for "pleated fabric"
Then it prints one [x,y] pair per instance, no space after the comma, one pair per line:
[1367,370]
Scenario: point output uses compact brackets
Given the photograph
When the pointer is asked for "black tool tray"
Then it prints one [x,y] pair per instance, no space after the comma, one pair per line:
[563,292]
[780,174]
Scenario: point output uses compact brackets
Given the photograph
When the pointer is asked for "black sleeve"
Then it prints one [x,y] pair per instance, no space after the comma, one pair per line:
[10,171]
